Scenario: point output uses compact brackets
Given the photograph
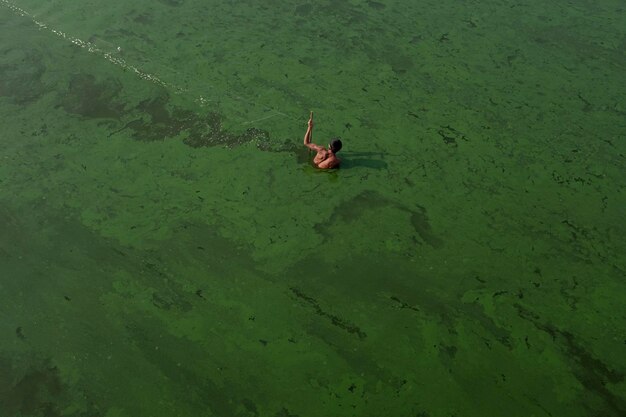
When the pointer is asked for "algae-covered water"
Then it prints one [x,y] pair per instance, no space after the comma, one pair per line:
[167,249]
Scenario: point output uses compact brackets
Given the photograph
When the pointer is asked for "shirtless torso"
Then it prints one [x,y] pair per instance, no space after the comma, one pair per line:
[325,158]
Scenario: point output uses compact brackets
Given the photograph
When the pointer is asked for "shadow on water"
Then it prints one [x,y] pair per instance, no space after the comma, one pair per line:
[372,160]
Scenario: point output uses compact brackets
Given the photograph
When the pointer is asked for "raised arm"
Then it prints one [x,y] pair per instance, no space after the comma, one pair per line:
[309,134]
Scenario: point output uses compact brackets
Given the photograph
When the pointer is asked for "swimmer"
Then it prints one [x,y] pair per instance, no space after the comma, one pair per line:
[325,158]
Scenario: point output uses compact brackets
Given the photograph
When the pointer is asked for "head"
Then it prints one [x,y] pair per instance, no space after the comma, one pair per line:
[335,145]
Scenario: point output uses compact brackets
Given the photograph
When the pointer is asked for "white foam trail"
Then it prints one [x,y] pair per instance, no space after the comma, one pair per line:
[92,48]
[120,62]
[262,118]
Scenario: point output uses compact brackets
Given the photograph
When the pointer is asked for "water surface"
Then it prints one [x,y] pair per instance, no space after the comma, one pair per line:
[166,248]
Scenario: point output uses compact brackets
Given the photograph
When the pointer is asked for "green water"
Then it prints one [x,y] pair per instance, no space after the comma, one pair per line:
[167,249]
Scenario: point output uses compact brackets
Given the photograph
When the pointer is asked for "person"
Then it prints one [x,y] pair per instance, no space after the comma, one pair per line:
[325,158]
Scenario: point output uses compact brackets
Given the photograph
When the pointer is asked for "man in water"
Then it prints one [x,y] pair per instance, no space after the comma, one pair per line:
[325,158]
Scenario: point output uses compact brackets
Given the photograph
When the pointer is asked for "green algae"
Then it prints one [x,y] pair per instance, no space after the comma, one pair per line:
[88,98]
[167,249]
[21,85]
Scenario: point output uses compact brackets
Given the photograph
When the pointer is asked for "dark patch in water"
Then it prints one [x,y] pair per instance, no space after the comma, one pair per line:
[209,132]
[352,208]
[160,124]
[477,314]
[161,120]
[157,119]
[284,413]
[20,333]
[302,154]
[144,19]
[449,351]
[304,9]
[375,5]
[250,406]
[420,223]
[38,392]
[400,63]
[171,301]
[20,78]
[343,11]
[592,373]
[450,314]
[402,304]
[450,135]
[336,321]
[89,98]
[155,107]
[173,3]
[185,368]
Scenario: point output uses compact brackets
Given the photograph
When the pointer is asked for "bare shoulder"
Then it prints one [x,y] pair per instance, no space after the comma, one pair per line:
[329,163]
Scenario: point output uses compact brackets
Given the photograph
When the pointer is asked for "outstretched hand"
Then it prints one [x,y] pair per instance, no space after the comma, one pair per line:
[310,123]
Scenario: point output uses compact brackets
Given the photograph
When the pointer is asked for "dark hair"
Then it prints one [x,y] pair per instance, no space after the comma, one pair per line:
[335,145]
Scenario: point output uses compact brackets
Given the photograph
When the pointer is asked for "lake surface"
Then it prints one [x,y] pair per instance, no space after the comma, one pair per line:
[167,249]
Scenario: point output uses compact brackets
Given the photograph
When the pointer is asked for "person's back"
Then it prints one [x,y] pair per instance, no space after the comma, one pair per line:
[324,158]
